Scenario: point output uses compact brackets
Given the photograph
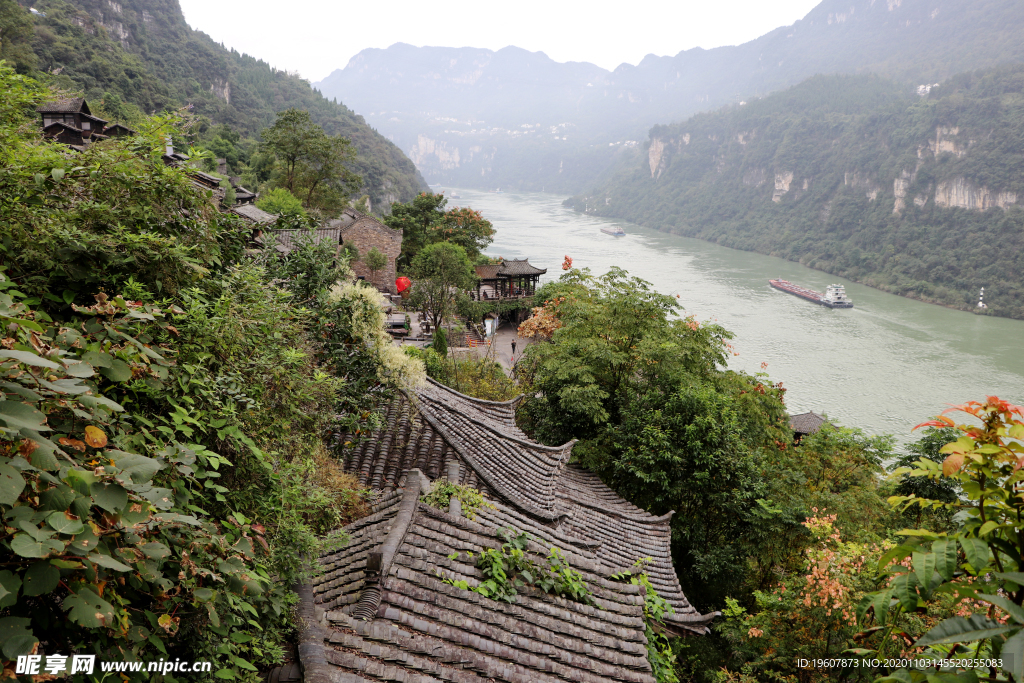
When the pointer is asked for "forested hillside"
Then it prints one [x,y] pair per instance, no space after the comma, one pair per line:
[141,52]
[853,175]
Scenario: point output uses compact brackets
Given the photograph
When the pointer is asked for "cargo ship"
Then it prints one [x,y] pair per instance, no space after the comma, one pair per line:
[614,230]
[834,296]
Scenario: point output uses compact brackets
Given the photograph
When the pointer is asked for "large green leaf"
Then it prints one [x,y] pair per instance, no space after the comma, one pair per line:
[1013,655]
[976,551]
[108,562]
[89,609]
[60,523]
[58,498]
[29,358]
[84,543]
[17,416]
[155,550]
[11,485]
[15,637]
[98,358]
[963,630]
[119,371]
[41,578]
[905,590]
[10,584]
[78,369]
[140,468]
[110,497]
[879,603]
[945,558]
[924,570]
[26,546]
[100,402]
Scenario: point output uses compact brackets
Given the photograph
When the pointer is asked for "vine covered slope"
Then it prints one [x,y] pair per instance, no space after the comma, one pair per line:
[142,52]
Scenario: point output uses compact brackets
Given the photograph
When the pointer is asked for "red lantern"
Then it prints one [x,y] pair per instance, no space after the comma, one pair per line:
[402,284]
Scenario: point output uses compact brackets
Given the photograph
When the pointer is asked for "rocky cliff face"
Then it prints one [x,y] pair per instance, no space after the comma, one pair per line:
[962,193]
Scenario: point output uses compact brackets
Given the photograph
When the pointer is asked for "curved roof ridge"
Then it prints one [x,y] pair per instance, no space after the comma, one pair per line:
[473,399]
[497,485]
[567,446]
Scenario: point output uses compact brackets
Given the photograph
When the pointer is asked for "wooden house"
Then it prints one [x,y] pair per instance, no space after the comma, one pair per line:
[516,278]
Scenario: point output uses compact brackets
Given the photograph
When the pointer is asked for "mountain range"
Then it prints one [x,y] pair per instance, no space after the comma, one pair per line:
[517,119]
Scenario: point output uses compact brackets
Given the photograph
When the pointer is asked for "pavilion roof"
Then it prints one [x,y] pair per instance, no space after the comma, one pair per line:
[806,423]
[517,267]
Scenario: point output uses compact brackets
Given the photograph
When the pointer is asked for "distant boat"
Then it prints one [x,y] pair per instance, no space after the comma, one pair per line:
[456,196]
[615,231]
[834,296]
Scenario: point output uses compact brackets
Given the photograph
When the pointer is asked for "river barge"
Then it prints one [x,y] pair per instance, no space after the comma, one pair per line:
[834,296]
[615,231]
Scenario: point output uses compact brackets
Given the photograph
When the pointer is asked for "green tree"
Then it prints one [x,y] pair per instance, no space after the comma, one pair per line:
[613,337]
[375,260]
[684,452]
[442,273]
[281,202]
[312,164]
[424,221]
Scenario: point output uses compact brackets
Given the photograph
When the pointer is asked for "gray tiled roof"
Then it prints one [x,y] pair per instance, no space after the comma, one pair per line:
[806,423]
[253,213]
[488,272]
[70,105]
[423,629]
[286,239]
[520,267]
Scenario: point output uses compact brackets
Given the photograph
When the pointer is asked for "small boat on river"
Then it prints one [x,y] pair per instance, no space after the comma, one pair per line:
[834,296]
[614,230]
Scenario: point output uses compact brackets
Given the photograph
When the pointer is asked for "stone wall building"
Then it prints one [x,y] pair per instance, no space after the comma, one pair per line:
[363,233]
[386,607]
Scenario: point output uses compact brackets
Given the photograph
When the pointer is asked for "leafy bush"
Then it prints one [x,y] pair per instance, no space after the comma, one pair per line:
[281,202]
[510,567]
[94,528]
[442,491]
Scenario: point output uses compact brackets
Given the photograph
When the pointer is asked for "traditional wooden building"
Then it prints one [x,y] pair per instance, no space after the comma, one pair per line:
[515,278]
[71,119]
[384,607]
[118,130]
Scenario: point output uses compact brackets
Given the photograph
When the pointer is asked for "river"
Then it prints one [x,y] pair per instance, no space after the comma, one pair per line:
[884,366]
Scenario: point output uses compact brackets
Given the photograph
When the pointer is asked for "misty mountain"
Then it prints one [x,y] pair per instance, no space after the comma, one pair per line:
[518,119]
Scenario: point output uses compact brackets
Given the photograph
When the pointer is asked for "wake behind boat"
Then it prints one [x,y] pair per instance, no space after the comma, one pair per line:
[834,296]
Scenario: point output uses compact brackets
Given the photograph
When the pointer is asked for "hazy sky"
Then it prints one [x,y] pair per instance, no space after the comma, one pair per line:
[314,37]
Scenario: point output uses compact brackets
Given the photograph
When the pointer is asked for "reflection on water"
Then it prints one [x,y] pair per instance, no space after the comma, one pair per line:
[883,366]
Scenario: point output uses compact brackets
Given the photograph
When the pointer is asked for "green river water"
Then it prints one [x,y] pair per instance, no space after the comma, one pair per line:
[885,365]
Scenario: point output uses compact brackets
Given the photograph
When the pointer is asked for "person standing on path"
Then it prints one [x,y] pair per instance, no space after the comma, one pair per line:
[513,352]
